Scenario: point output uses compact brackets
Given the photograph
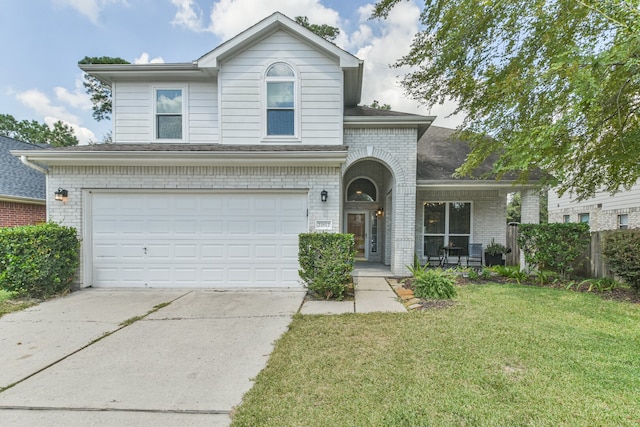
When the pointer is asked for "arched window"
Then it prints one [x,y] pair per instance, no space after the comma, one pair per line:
[361,190]
[281,106]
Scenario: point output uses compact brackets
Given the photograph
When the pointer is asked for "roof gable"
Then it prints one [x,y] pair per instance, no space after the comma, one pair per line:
[267,26]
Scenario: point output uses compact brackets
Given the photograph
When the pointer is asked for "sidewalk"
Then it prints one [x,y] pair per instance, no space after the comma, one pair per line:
[372,294]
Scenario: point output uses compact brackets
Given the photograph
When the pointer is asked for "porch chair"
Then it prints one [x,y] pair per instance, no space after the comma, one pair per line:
[475,254]
[435,256]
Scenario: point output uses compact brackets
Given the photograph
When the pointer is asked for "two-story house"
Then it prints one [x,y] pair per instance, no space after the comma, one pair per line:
[602,212]
[218,164]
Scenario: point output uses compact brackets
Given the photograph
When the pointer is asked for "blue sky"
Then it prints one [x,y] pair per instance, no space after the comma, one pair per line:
[42,41]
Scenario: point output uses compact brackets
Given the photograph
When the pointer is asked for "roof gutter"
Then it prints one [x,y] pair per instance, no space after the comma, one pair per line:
[26,161]
[192,158]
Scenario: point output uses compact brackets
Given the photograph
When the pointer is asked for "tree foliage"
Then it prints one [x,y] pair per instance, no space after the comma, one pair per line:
[61,135]
[99,92]
[375,104]
[325,31]
[554,83]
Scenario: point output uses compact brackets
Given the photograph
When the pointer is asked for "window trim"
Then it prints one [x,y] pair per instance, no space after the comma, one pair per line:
[154,126]
[346,193]
[622,226]
[446,236]
[581,215]
[296,103]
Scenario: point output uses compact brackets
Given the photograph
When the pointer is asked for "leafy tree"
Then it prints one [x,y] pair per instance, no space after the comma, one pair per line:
[37,133]
[99,92]
[514,208]
[375,104]
[325,31]
[555,83]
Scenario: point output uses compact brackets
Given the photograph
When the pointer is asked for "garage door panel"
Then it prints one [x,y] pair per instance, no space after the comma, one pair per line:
[197,240]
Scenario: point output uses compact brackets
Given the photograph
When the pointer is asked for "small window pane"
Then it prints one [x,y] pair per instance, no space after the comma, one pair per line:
[566,219]
[280,95]
[280,122]
[434,220]
[169,127]
[583,217]
[623,221]
[361,190]
[460,218]
[169,101]
[280,70]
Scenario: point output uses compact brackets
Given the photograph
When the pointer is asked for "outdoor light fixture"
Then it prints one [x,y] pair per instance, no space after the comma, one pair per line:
[323,195]
[380,211]
[62,195]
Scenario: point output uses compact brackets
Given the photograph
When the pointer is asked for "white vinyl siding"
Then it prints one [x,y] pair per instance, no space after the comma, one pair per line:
[133,112]
[622,200]
[320,94]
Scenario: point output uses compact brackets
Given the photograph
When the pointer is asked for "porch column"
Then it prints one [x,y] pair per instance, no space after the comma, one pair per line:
[530,214]
[404,240]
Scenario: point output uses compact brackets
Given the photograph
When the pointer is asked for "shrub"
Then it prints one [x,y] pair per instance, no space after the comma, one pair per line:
[38,261]
[326,262]
[434,283]
[622,250]
[554,247]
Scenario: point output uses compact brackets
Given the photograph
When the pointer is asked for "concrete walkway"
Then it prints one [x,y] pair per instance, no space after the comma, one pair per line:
[373,294]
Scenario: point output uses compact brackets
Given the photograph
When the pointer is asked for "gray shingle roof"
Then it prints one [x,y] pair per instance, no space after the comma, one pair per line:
[440,154]
[364,111]
[17,179]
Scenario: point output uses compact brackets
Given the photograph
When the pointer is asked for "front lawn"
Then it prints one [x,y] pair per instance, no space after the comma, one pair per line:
[503,355]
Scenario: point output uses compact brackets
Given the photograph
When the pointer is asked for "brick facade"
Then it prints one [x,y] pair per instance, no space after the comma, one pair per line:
[396,150]
[599,219]
[488,214]
[13,214]
[80,180]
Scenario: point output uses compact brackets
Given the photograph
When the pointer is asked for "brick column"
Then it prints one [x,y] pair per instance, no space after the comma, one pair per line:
[530,214]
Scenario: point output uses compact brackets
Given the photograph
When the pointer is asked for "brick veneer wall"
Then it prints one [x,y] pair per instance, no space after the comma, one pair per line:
[396,149]
[489,214]
[75,179]
[13,214]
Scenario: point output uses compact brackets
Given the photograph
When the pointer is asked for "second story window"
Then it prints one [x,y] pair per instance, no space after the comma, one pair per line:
[281,94]
[168,113]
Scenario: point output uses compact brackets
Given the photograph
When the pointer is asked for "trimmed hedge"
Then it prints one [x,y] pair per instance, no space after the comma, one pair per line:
[622,250]
[557,247]
[38,261]
[326,262]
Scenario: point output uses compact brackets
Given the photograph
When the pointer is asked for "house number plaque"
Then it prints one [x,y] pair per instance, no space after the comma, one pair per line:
[324,224]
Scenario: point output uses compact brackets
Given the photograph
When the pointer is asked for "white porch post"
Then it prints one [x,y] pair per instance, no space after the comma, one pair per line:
[530,214]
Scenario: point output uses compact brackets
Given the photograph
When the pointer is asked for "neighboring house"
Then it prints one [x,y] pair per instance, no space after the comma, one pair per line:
[218,164]
[22,189]
[601,212]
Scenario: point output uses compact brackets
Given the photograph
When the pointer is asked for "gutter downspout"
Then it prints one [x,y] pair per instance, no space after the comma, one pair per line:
[24,160]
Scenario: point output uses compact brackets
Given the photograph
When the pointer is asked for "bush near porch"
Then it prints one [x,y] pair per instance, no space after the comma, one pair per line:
[326,262]
[38,261]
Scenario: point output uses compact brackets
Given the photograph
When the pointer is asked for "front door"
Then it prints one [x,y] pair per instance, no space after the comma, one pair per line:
[357,225]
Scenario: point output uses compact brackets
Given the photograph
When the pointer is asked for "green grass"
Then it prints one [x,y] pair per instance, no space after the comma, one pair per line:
[504,355]
[8,304]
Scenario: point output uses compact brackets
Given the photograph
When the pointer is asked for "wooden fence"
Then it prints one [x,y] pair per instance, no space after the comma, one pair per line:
[593,264]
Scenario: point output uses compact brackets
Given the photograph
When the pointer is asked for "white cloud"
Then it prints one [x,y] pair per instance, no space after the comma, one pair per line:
[41,104]
[144,59]
[89,8]
[188,15]
[77,99]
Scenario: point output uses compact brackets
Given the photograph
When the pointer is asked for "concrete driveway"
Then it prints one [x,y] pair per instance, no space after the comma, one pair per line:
[71,361]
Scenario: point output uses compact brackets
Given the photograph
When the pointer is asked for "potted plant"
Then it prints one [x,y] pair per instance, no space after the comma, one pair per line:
[493,253]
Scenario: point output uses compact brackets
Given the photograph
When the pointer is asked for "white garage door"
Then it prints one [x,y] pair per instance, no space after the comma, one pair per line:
[197,240]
